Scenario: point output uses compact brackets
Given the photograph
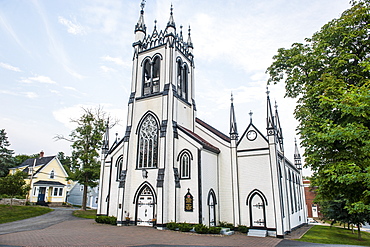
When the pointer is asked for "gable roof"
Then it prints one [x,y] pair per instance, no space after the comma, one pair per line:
[213,130]
[40,163]
[206,145]
[52,183]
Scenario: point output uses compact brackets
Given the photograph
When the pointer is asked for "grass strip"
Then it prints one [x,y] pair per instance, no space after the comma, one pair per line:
[14,213]
[88,214]
[335,235]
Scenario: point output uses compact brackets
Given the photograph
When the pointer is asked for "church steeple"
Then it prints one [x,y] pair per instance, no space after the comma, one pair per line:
[171,26]
[270,116]
[189,42]
[140,28]
[233,128]
[297,156]
[279,131]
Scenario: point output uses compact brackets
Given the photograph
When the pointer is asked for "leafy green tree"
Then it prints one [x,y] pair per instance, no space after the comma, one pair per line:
[86,140]
[14,185]
[66,162]
[20,158]
[330,76]
[6,155]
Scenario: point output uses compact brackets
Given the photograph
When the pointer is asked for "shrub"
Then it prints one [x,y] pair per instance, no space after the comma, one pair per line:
[214,230]
[202,229]
[242,228]
[185,227]
[172,225]
[106,220]
[227,225]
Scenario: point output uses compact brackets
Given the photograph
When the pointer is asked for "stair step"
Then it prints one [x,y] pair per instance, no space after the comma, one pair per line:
[257,233]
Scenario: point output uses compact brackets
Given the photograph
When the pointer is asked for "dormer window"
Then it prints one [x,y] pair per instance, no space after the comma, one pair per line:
[151,76]
[182,79]
[52,174]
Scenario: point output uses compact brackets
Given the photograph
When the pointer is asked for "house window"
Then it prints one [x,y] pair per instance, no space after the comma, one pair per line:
[182,79]
[151,76]
[148,143]
[185,166]
[52,174]
[55,191]
[119,167]
[60,191]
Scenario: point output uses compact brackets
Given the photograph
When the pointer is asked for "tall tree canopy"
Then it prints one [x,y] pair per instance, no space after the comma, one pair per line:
[330,76]
[86,140]
[6,154]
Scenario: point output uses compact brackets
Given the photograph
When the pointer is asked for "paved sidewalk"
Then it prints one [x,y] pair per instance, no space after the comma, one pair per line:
[60,228]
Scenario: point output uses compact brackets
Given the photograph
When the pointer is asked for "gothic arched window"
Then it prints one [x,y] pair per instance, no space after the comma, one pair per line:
[148,143]
[119,163]
[182,79]
[151,75]
[185,165]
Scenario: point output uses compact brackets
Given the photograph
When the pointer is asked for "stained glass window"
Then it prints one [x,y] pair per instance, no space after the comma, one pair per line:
[148,143]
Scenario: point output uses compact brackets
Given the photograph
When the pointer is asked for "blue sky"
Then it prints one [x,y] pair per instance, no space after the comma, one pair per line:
[57,56]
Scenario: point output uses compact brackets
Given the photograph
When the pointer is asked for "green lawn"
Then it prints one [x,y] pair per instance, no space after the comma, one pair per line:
[88,214]
[334,235]
[9,214]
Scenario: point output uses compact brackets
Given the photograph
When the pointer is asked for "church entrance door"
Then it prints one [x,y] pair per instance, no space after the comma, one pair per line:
[145,207]
[257,209]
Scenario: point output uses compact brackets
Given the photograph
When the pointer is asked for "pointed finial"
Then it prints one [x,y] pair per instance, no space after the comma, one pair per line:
[171,22]
[276,106]
[155,24]
[189,42]
[250,115]
[267,92]
[142,5]
[116,137]
[189,30]
[232,97]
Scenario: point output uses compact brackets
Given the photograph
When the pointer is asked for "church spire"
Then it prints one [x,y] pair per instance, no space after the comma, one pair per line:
[171,22]
[233,128]
[140,25]
[297,156]
[189,42]
[279,131]
[270,116]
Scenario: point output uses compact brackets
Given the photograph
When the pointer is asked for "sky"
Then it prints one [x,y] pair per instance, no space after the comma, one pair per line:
[58,56]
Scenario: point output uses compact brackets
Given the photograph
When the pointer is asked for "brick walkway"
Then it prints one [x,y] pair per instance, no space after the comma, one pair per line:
[86,232]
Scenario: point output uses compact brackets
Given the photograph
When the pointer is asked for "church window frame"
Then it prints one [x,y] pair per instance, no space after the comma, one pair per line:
[182,79]
[148,142]
[185,157]
[119,165]
[151,71]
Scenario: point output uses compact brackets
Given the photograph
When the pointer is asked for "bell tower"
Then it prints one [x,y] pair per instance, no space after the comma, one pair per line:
[161,98]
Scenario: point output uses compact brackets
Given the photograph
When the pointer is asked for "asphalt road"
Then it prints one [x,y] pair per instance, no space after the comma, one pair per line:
[39,222]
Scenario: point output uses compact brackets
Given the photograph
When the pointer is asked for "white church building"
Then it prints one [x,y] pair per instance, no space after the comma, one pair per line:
[173,167]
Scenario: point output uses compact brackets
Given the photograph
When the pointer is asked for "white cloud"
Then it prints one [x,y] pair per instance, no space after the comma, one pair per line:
[30,95]
[70,88]
[72,26]
[107,69]
[116,60]
[9,67]
[38,78]
[66,114]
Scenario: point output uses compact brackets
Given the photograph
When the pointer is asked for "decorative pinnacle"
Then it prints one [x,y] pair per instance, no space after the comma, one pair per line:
[155,24]
[268,92]
[171,9]
[189,30]
[250,115]
[142,5]
[276,106]
[232,97]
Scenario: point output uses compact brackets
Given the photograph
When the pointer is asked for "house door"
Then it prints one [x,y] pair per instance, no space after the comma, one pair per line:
[145,207]
[41,196]
[257,209]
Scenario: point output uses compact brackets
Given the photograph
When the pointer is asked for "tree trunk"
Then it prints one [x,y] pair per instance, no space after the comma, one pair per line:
[358,231]
[84,198]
